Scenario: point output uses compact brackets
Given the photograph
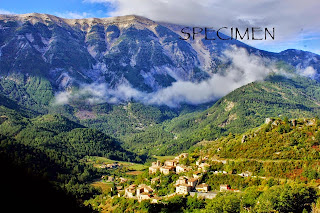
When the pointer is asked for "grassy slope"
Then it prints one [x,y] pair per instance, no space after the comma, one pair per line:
[247,107]
[277,140]
[95,160]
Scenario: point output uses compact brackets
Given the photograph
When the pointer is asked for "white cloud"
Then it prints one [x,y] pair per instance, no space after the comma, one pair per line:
[98,93]
[6,12]
[307,72]
[63,98]
[73,15]
[244,69]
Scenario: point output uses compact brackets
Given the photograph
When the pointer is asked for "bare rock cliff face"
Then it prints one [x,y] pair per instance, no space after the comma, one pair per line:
[129,50]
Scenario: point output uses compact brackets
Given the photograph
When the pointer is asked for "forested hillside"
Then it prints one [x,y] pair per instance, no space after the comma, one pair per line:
[240,110]
[47,149]
[295,139]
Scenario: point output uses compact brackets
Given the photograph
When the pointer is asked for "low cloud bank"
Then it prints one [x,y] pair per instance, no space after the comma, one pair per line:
[243,69]
[308,72]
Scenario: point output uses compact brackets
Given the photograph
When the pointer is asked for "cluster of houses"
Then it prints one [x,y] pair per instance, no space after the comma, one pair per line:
[184,185]
[190,184]
[140,192]
[175,167]
[110,166]
[169,166]
[112,179]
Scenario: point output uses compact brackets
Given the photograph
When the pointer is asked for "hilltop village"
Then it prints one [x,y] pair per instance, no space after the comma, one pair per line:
[187,181]
[217,177]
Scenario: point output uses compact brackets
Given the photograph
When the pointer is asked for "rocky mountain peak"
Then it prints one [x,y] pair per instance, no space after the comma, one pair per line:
[131,49]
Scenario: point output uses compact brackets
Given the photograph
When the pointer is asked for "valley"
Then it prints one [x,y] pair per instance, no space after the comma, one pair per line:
[207,174]
[120,115]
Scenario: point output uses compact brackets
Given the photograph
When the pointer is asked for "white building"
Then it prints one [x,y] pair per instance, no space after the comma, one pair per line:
[183,189]
[203,187]
[130,191]
[181,168]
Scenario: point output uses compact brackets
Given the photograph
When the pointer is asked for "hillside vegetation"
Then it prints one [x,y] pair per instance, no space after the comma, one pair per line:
[237,112]
[297,139]
[57,133]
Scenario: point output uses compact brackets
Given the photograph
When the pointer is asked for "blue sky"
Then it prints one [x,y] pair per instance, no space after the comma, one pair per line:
[65,8]
[297,22]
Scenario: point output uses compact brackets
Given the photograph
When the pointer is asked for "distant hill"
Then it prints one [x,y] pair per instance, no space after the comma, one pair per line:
[237,112]
[55,132]
[277,139]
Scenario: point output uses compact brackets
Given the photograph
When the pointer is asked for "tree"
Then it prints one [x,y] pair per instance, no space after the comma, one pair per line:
[250,196]
[195,203]
[286,198]
[227,202]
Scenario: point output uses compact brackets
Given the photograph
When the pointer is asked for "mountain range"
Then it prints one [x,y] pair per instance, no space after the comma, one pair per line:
[120,50]
[127,89]
[150,79]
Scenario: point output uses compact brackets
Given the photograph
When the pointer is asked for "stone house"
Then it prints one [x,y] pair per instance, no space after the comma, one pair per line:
[123,180]
[112,165]
[166,169]
[183,155]
[102,166]
[182,180]
[157,163]
[171,163]
[154,167]
[144,196]
[192,182]
[197,174]
[203,187]
[224,187]
[181,168]
[183,189]
[144,192]
[130,191]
